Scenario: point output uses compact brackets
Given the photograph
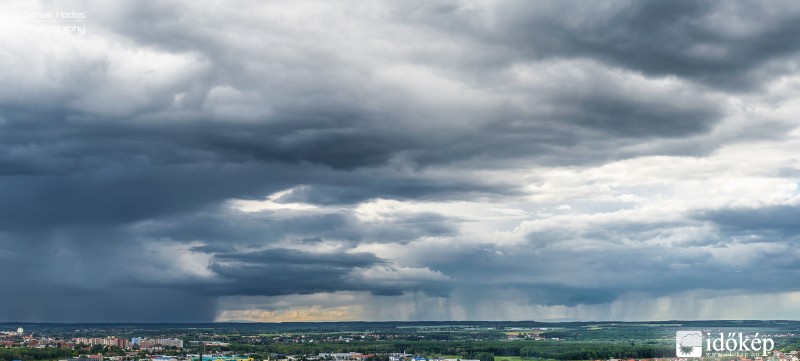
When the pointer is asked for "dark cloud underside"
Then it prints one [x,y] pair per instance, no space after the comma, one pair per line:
[392,150]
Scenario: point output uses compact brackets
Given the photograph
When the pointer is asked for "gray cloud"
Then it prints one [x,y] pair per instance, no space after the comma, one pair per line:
[121,150]
[777,222]
[731,46]
[50,302]
[280,272]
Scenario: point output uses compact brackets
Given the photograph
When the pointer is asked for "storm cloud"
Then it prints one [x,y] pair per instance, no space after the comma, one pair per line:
[415,160]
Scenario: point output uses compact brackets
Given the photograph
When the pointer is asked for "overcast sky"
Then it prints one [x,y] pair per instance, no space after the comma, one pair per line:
[404,160]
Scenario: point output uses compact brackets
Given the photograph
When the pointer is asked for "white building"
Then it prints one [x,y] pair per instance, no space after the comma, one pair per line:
[171,342]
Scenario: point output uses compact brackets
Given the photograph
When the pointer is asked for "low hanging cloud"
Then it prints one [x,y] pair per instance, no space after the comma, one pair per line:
[399,161]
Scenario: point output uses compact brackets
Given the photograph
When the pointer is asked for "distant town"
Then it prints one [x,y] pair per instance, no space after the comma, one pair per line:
[372,342]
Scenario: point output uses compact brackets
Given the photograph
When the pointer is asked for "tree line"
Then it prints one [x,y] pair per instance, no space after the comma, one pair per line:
[470,349]
[26,354]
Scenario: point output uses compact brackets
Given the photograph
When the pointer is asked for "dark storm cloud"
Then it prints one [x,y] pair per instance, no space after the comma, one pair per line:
[777,222]
[281,272]
[61,174]
[219,229]
[570,277]
[732,46]
[590,264]
[287,256]
[622,116]
[276,272]
[111,157]
[53,302]
[336,121]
